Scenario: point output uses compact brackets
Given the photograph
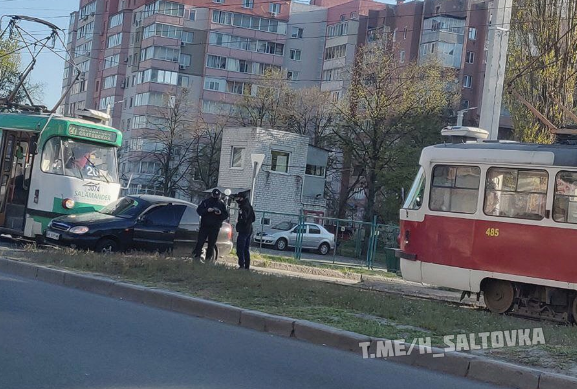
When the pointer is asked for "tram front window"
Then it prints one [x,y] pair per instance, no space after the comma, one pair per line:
[415,197]
[76,158]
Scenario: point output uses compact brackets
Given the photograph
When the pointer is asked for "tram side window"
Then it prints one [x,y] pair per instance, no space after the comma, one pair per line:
[565,200]
[515,193]
[415,197]
[455,189]
[51,157]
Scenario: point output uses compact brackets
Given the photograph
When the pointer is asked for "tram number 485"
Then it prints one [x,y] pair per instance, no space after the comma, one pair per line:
[492,232]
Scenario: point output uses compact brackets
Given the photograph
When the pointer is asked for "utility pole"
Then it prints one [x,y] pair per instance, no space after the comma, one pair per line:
[498,42]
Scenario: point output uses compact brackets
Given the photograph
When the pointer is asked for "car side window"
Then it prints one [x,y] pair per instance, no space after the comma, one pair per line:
[300,229]
[165,215]
[314,230]
[189,218]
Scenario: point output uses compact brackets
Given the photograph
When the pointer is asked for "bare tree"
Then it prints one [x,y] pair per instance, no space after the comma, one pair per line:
[263,104]
[169,143]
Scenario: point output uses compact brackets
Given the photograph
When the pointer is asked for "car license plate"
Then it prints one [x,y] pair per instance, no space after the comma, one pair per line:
[52,235]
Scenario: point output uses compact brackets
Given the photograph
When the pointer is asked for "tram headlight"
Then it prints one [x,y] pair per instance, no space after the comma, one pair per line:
[68,203]
[79,230]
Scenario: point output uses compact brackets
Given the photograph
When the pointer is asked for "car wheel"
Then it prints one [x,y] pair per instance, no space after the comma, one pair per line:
[281,244]
[106,246]
[324,248]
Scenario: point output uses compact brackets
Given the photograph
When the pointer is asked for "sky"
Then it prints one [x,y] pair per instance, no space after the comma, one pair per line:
[49,67]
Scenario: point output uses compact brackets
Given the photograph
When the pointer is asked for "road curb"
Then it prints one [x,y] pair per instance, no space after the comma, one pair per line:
[458,364]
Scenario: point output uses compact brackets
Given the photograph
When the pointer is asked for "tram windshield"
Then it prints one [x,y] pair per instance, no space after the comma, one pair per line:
[76,158]
[415,197]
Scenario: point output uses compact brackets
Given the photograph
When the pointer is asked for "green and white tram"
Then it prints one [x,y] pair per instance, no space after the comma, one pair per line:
[52,166]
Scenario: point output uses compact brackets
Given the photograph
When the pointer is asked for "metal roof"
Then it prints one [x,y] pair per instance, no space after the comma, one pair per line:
[506,152]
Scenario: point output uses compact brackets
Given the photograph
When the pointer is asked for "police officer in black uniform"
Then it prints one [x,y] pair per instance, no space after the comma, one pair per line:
[244,228]
[212,213]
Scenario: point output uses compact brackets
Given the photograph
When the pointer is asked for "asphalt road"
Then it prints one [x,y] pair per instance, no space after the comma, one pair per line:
[55,337]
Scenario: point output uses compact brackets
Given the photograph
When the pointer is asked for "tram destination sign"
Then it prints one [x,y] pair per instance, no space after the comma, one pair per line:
[92,133]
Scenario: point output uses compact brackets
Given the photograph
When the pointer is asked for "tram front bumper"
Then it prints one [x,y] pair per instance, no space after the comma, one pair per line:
[64,238]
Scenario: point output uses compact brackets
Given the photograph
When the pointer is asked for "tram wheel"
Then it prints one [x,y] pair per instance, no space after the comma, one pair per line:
[498,295]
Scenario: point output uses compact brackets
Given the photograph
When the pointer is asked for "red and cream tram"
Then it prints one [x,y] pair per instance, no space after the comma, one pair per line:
[498,218]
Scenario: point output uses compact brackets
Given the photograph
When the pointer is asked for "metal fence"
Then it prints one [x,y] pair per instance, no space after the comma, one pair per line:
[359,243]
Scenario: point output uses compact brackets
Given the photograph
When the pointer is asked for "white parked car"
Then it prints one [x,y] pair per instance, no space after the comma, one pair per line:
[284,235]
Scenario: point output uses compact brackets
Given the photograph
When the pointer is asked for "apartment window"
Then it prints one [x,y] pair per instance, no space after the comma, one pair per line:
[238,88]
[339,29]
[472,33]
[516,193]
[183,81]
[116,20]
[110,82]
[332,74]
[185,60]
[187,36]
[470,57]
[105,101]
[437,9]
[114,40]
[192,15]
[295,54]
[215,84]
[237,157]
[293,75]
[274,8]
[565,200]
[467,81]
[216,62]
[405,33]
[83,66]
[314,170]
[296,32]
[402,57]
[248,21]
[335,52]
[218,1]
[465,104]
[248,4]
[170,8]
[455,189]
[279,161]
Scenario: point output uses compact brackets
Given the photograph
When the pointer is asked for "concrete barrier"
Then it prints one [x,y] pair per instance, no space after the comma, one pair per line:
[52,276]
[329,336]
[556,381]
[89,283]
[18,268]
[504,374]
[142,295]
[207,309]
[260,321]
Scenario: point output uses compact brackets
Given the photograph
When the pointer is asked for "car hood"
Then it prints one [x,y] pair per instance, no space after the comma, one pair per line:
[88,219]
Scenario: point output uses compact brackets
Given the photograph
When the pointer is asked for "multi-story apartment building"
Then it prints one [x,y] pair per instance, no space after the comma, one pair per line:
[132,53]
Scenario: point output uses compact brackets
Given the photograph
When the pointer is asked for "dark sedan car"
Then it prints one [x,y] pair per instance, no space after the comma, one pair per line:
[141,222]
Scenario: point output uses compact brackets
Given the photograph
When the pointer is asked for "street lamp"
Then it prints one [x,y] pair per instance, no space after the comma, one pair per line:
[461,113]
[256,163]
[108,107]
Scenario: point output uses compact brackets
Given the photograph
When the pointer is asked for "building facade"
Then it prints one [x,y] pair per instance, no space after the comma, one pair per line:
[292,176]
[134,54]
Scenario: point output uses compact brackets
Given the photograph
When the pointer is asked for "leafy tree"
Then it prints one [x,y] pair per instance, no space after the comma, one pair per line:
[542,65]
[10,73]
[389,113]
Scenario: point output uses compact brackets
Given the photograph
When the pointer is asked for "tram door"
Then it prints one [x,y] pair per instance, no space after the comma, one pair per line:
[15,169]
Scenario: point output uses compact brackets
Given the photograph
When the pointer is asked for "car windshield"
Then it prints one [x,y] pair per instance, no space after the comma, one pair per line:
[125,207]
[76,158]
[284,226]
